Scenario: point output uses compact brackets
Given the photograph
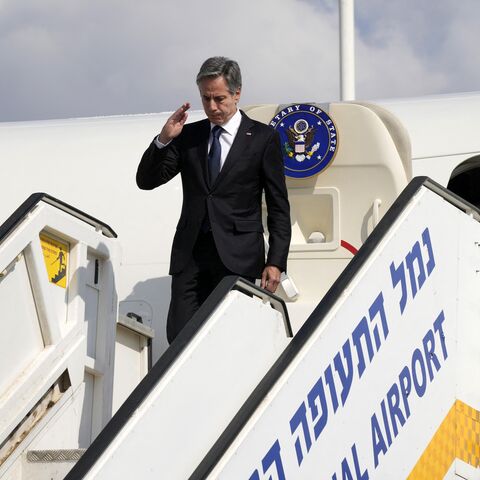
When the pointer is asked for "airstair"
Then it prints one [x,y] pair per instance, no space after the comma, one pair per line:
[58,340]
[382,381]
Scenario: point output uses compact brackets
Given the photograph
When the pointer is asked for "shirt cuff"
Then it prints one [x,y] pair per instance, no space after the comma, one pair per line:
[158,143]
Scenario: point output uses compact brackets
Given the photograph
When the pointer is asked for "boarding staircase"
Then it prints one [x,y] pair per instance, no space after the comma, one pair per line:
[382,380]
[58,339]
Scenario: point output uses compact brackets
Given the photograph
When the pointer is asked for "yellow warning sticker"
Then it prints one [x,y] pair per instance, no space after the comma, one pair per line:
[55,254]
[458,436]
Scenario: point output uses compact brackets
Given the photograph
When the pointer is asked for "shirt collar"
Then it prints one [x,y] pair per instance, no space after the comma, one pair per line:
[232,125]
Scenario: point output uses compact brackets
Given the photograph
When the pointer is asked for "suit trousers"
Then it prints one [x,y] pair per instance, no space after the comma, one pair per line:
[192,286]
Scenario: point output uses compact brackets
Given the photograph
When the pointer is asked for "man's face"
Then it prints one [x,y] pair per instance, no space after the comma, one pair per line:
[219,104]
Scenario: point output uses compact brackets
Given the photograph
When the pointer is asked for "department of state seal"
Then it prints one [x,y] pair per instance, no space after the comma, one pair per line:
[308,137]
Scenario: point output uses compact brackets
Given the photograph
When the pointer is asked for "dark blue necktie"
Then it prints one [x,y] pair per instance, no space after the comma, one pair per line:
[215,154]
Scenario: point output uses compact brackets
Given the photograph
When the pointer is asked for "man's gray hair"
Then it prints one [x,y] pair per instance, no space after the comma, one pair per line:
[222,67]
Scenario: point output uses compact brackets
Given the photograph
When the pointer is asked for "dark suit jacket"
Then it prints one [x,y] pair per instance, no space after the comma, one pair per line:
[233,203]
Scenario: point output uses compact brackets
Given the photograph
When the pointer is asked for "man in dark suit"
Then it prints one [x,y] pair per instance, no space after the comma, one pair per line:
[226,162]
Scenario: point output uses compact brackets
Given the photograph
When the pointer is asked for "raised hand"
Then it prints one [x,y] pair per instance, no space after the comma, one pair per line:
[174,125]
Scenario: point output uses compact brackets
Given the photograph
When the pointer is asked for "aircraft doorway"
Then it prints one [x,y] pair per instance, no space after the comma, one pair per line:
[465,180]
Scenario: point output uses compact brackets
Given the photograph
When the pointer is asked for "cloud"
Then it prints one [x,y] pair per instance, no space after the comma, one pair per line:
[84,58]
[417,48]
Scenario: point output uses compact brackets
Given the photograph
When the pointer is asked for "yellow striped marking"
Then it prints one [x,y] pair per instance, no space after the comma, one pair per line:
[457,437]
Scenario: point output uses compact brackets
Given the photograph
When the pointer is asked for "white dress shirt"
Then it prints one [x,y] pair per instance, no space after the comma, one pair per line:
[226,138]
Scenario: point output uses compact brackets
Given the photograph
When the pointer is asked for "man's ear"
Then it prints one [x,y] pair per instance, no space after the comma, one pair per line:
[237,95]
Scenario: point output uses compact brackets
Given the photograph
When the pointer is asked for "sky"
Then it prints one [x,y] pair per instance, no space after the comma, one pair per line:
[78,58]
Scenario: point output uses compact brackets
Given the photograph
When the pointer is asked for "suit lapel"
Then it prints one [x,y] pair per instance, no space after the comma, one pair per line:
[201,150]
[239,146]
